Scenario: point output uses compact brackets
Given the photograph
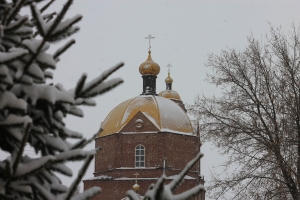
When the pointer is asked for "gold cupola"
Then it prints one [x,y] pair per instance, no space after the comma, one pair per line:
[169,80]
[149,67]
[136,187]
[169,93]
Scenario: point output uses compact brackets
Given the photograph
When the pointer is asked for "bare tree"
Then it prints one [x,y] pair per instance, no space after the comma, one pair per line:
[256,120]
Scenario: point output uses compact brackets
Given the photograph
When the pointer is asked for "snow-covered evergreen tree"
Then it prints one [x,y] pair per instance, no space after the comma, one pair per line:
[32,111]
[161,191]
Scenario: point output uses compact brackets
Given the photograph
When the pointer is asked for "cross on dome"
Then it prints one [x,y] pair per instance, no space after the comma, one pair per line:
[169,66]
[136,174]
[149,37]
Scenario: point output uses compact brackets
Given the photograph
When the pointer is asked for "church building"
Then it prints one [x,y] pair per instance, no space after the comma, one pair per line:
[144,137]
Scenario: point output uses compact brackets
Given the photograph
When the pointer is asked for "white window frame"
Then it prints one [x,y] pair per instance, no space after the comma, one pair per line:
[139,163]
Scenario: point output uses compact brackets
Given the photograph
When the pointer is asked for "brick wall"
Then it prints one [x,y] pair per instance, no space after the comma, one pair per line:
[117,159]
[118,150]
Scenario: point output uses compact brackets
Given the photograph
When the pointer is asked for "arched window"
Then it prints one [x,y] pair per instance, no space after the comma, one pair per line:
[139,156]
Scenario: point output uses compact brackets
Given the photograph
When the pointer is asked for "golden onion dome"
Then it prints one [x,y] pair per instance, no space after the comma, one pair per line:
[136,187]
[149,67]
[163,113]
[169,80]
[169,94]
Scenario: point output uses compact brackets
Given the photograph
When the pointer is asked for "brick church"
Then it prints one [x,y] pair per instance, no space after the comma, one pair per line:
[144,137]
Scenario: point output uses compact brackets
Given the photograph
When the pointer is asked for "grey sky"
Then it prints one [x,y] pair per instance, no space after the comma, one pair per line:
[185,32]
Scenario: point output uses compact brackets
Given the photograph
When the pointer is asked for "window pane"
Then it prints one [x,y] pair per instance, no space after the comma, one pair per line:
[140,156]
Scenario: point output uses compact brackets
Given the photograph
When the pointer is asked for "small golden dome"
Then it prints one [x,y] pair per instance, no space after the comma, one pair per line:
[136,187]
[169,80]
[169,94]
[149,67]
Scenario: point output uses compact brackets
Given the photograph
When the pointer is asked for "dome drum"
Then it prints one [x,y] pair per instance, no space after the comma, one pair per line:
[169,86]
[149,85]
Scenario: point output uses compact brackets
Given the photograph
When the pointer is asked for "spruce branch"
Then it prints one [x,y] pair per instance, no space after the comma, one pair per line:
[46,6]
[38,18]
[80,85]
[82,143]
[91,85]
[78,144]
[60,16]
[80,176]
[90,140]
[179,179]
[16,25]
[63,49]
[87,194]
[15,10]
[65,29]
[19,155]
[49,17]
[21,149]
[42,192]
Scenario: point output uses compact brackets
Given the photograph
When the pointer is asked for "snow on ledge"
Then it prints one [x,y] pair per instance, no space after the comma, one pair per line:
[101,177]
[135,168]
[105,177]
[161,131]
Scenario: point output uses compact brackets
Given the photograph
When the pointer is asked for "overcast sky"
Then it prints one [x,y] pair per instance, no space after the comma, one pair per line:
[185,33]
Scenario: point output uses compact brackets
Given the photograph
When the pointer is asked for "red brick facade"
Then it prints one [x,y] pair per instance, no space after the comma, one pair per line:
[117,160]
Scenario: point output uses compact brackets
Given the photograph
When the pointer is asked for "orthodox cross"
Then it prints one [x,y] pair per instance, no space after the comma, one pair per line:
[169,66]
[149,37]
[136,174]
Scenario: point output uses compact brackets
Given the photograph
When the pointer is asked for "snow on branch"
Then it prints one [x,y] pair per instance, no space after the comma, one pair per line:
[62,168]
[95,84]
[33,165]
[13,55]
[40,24]
[14,11]
[73,155]
[59,17]
[33,45]
[87,193]
[63,27]
[16,24]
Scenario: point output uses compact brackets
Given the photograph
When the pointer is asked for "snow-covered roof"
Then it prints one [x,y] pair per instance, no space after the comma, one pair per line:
[163,113]
[170,94]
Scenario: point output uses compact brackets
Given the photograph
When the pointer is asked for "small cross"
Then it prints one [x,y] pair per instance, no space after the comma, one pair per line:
[136,174]
[149,37]
[169,66]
